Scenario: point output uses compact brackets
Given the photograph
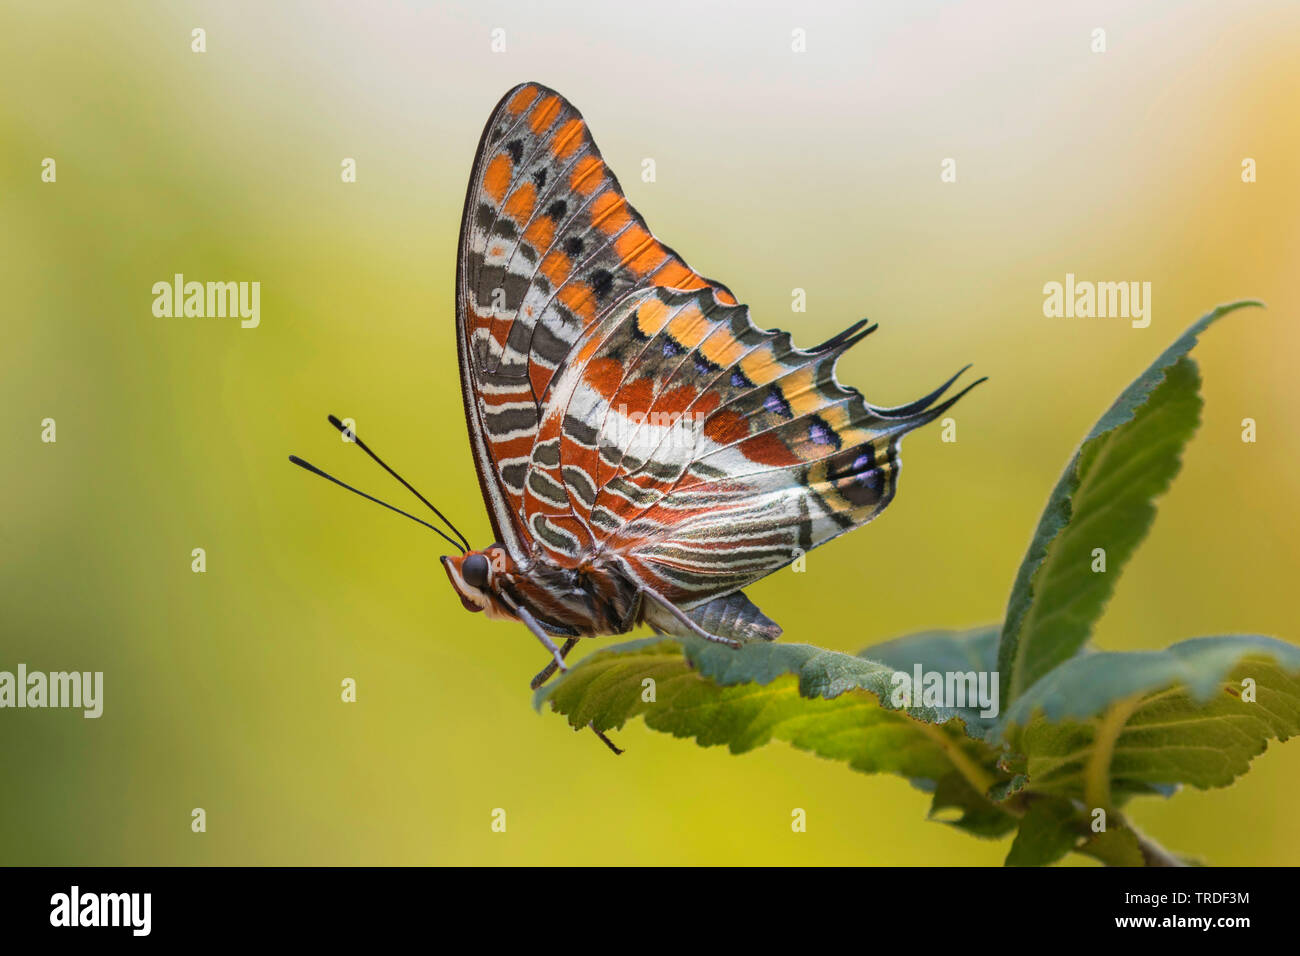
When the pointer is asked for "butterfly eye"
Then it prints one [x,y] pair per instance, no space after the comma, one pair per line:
[475,571]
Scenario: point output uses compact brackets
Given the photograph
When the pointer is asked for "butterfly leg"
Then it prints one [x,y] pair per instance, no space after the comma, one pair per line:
[685,620]
[545,674]
[539,632]
[552,666]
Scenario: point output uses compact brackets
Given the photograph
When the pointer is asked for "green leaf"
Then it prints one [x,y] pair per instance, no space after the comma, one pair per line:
[979,814]
[1048,831]
[945,652]
[1093,733]
[1053,826]
[1105,499]
[1115,846]
[1108,725]
[833,704]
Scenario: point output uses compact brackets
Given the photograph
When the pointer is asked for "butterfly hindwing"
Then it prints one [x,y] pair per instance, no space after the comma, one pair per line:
[706,452]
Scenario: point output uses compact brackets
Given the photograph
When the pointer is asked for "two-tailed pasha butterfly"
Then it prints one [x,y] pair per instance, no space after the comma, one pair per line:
[644,450]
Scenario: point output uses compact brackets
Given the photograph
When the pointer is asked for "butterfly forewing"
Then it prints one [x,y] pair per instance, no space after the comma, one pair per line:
[548,244]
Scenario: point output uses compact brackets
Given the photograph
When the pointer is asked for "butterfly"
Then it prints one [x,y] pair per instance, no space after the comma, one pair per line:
[644,450]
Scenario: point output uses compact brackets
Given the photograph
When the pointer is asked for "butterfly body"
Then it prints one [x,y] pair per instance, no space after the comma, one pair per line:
[587,600]
[595,599]
[645,450]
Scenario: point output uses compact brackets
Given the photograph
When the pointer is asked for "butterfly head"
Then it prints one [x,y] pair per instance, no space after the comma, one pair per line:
[476,575]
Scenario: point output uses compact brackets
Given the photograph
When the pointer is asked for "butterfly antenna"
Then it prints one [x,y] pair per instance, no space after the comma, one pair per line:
[356,440]
[316,471]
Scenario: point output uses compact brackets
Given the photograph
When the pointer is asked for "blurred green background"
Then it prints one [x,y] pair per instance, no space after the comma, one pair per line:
[775,170]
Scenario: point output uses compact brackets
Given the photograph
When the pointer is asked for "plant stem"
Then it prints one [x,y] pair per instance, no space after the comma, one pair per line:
[1096,777]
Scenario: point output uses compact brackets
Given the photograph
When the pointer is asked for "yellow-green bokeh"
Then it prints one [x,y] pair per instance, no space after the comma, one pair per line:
[774,171]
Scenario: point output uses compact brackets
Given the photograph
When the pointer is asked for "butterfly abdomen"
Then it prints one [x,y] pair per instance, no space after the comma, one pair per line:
[736,616]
